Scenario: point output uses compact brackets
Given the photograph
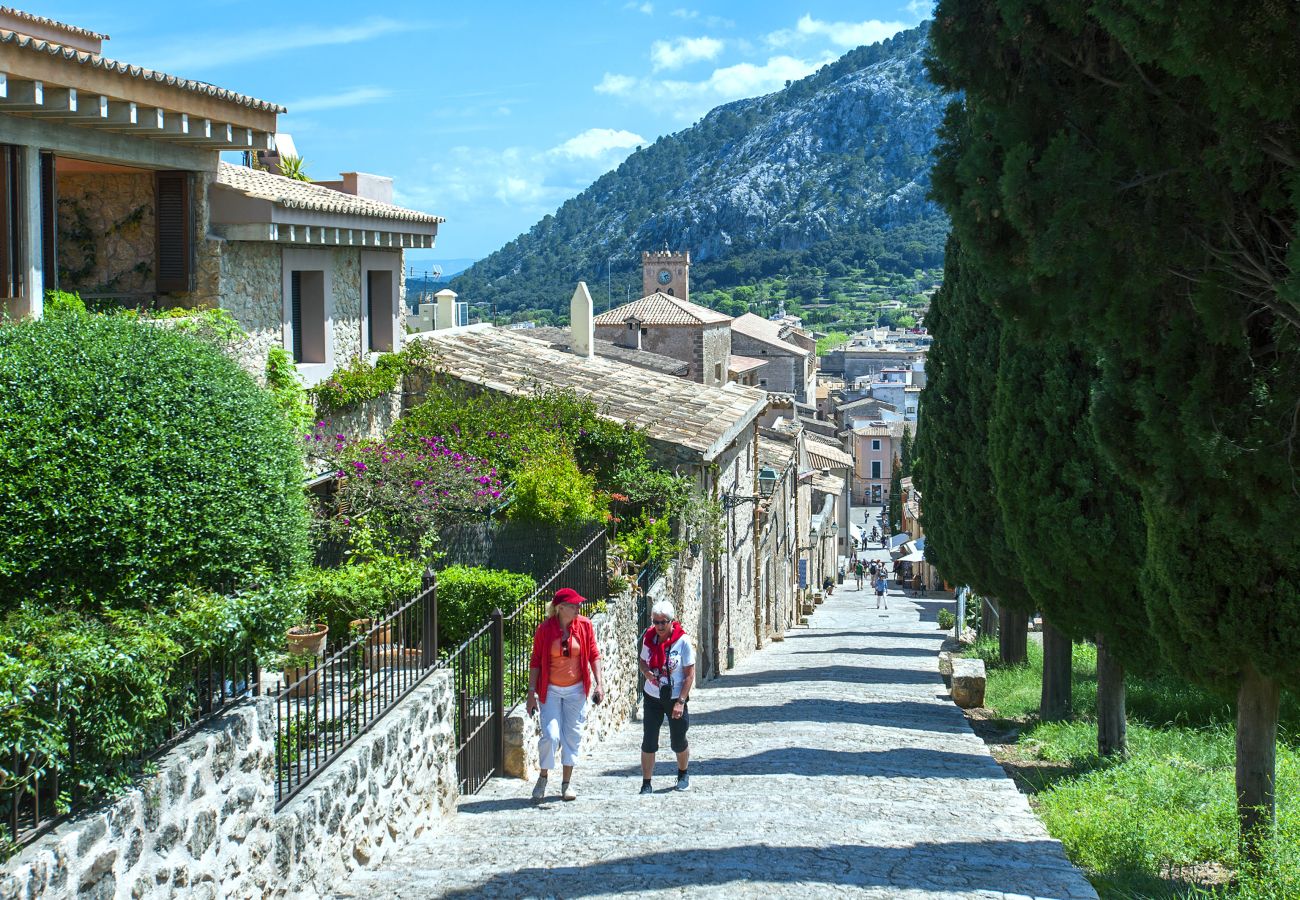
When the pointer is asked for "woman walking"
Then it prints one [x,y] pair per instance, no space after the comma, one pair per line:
[564,669]
[881,586]
[668,664]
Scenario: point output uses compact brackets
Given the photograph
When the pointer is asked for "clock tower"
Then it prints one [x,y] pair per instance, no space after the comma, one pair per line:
[667,272]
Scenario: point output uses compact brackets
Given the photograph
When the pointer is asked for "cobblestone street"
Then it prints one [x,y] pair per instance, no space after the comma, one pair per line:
[830,764]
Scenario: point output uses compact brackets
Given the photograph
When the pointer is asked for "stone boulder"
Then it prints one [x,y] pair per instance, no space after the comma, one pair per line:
[968,682]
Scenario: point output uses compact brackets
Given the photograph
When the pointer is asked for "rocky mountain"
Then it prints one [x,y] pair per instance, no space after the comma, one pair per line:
[835,166]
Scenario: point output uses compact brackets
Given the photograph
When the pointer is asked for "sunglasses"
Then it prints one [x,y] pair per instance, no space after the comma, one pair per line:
[658,622]
[564,646]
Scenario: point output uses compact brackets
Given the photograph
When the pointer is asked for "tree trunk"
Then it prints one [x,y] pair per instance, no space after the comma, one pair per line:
[1112,724]
[1058,660]
[1257,708]
[988,621]
[1013,636]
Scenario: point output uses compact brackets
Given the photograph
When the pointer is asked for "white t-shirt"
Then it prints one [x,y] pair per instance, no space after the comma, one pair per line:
[680,655]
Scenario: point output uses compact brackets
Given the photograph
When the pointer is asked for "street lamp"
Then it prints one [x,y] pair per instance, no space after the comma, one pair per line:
[767,479]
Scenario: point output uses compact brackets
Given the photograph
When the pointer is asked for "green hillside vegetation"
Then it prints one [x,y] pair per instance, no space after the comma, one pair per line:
[800,186]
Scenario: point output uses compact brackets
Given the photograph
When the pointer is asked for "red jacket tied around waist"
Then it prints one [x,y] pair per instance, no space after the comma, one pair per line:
[551,630]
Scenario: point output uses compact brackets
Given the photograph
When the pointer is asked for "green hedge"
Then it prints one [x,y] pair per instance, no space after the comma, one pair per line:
[467,595]
[134,460]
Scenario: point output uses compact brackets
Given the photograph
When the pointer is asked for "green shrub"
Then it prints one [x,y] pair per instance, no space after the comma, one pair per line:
[361,589]
[64,302]
[282,381]
[134,460]
[551,489]
[214,325]
[467,595]
[359,381]
[947,619]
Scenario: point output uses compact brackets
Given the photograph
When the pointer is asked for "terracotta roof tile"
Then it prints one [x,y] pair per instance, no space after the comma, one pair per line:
[96,61]
[661,309]
[41,20]
[768,332]
[293,194]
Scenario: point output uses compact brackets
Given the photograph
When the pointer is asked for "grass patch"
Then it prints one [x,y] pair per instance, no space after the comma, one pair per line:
[1162,822]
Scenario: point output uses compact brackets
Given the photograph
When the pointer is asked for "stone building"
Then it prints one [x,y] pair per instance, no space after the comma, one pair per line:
[113,187]
[789,353]
[703,430]
[670,326]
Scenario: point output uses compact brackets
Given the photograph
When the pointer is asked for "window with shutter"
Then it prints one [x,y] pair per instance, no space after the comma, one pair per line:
[295,314]
[379,310]
[175,238]
[11,231]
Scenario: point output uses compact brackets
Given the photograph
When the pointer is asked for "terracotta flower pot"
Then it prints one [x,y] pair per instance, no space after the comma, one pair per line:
[307,640]
[380,637]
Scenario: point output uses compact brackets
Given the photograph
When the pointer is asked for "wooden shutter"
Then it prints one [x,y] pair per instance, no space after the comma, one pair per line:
[175,232]
[295,313]
[49,223]
[11,226]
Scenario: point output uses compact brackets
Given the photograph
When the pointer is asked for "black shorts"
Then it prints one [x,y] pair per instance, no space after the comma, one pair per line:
[653,721]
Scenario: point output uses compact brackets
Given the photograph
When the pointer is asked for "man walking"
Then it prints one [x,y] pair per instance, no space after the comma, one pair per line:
[858,571]
[881,586]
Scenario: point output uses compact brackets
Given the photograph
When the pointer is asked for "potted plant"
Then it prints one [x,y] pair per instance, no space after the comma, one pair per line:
[377,636]
[308,639]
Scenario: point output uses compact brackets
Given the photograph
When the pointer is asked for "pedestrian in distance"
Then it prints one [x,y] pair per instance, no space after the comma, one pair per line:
[668,665]
[563,672]
[858,571]
[881,586]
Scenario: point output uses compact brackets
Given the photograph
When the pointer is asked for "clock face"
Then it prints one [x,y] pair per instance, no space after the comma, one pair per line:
[665,276]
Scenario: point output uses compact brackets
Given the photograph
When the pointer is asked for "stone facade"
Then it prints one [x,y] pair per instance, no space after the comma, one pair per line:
[715,353]
[248,287]
[204,825]
[106,233]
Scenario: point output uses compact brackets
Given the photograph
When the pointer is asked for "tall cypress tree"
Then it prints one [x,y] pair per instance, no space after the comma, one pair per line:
[906,453]
[1137,164]
[965,538]
[1077,528]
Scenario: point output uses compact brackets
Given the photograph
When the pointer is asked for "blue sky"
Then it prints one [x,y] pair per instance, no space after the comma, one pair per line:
[488,113]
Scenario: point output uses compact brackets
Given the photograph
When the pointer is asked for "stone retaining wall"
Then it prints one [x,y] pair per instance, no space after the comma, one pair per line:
[205,825]
[617,637]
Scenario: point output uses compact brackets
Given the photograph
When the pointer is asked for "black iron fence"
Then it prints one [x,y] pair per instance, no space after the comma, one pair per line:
[328,702]
[53,766]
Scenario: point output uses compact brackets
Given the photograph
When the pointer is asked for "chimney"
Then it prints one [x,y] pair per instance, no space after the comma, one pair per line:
[582,327]
[445,316]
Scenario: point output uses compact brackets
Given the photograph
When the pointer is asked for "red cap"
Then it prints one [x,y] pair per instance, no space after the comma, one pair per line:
[569,595]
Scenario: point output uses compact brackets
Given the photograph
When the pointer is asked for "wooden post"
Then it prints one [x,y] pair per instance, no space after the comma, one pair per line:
[1257,708]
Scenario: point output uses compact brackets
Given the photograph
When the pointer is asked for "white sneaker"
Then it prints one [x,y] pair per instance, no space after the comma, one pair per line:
[539,790]
[567,791]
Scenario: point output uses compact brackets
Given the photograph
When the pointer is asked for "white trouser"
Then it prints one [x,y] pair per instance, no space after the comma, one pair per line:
[563,712]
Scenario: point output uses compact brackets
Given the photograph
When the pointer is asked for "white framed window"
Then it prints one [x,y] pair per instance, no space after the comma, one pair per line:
[308,311]
[381,287]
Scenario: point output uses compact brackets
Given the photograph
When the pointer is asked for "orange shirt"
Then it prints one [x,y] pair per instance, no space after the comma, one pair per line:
[565,670]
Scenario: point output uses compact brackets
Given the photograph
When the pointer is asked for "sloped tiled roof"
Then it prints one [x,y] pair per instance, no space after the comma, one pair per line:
[761,329]
[738,364]
[292,194]
[774,452]
[824,456]
[96,61]
[673,411]
[661,309]
[41,20]
[560,339]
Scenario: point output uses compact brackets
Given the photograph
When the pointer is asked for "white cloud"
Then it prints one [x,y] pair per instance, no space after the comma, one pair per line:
[693,15]
[528,180]
[724,84]
[683,51]
[210,52]
[595,143]
[647,8]
[921,9]
[354,97]
[840,34]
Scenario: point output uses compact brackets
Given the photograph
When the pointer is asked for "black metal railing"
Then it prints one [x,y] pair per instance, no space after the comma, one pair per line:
[328,702]
[40,788]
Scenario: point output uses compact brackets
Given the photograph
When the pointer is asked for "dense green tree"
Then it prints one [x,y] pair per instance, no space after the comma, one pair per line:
[894,513]
[965,536]
[1077,528]
[905,451]
[1137,163]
